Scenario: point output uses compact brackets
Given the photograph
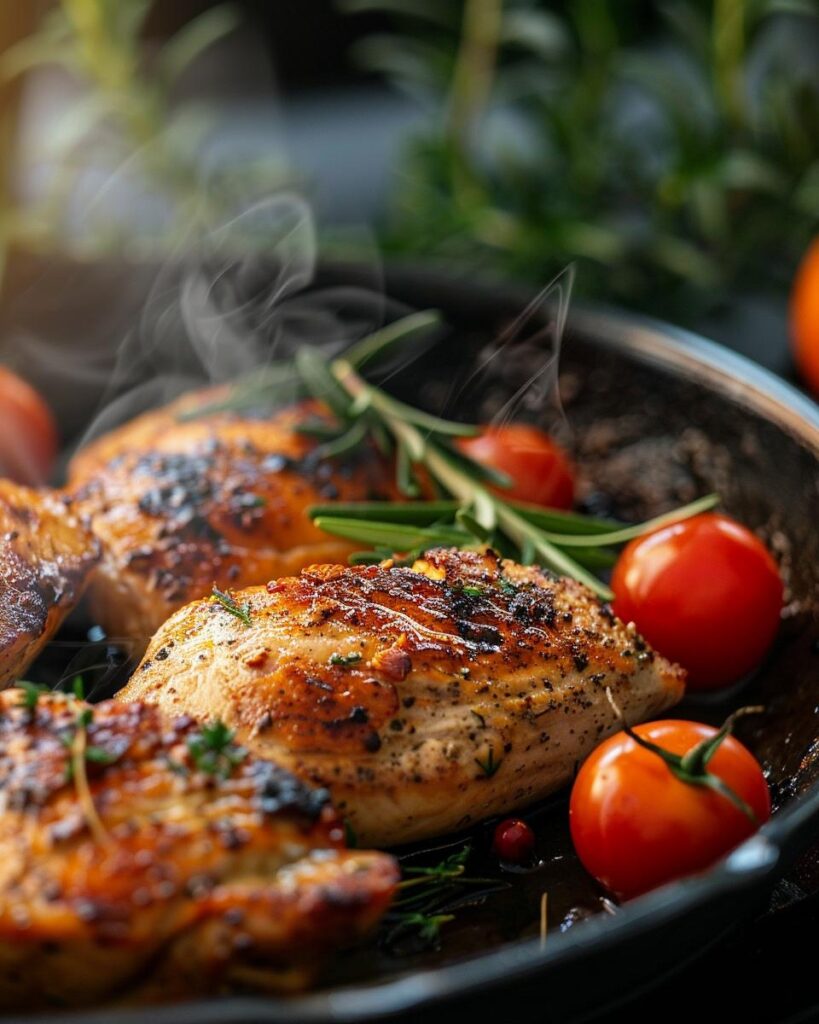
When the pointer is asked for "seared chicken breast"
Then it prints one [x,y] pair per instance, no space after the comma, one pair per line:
[46,555]
[424,698]
[182,503]
[144,857]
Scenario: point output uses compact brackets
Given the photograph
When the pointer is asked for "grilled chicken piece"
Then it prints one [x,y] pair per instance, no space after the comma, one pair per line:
[142,857]
[46,554]
[424,698]
[180,504]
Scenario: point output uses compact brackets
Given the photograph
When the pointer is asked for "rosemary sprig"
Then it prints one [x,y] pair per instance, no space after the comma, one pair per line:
[425,513]
[423,441]
[395,536]
[229,604]
[472,510]
[284,382]
[480,514]
[477,514]
[415,526]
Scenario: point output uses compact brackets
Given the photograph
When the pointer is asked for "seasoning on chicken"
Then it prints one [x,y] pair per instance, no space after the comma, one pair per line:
[180,504]
[142,857]
[46,554]
[424,698]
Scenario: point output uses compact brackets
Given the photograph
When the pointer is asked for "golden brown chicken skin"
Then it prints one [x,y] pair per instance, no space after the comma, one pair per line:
[424,698]
[180,504]
[141,857]
[46,555]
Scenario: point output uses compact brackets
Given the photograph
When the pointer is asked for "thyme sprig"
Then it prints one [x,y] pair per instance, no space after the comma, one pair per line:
[78,749]
[428,897]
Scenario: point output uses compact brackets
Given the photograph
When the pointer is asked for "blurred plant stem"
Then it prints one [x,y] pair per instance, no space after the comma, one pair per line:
[474,72]
[729,56]
[471,89]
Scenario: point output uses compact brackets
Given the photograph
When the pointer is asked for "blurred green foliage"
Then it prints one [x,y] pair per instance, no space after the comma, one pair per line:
[126,120]
[671,149]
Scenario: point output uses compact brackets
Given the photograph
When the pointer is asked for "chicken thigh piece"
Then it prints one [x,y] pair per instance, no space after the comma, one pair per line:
[181,503]
[424,698]
[46,555]
[142,857]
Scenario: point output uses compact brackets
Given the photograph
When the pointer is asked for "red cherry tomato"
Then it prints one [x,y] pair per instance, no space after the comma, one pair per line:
[28,433]
[804,317]
[514,841]
[636,826]
[540,470]
[705,592]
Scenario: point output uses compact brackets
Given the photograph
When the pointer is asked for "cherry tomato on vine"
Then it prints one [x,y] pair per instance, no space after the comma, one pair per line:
[540,470]
[635,825]
[514,841]
[28,433]
[705,592]
[804,317]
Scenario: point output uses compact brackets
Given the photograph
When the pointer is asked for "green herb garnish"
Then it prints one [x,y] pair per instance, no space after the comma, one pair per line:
[469,513]
[345,659]
[80,752]
[31,694]
[562,542]
[97,755]
[489,766]
[428,897]
[229,604]
[213,750]
[306,374]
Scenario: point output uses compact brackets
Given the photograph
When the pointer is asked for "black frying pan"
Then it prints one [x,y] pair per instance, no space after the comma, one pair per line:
[755,440]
